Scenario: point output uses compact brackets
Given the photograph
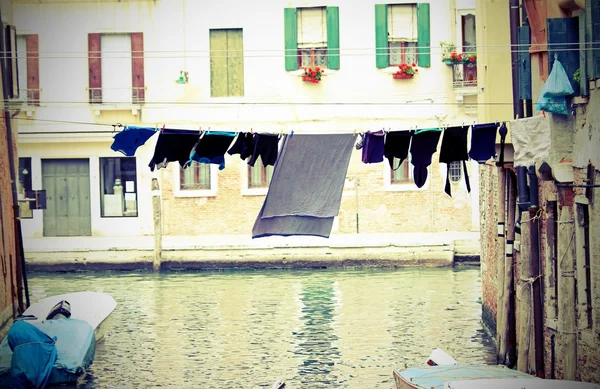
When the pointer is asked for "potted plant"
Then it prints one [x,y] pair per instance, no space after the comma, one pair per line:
[447,49]
[313,76]
[461,58]
[406,71]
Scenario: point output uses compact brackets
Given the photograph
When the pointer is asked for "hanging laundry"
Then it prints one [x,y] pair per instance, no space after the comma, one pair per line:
[265,146]
[306,189]
[503,131]
[132,137]
[454,149]
[424,144]
[397,144]
[483,142]
[211,148]
[531,139]
[173,145]
[554,91]
[360,142]
[242,145]
[372,151]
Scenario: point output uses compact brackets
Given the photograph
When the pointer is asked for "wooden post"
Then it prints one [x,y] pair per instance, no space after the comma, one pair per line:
[501,318]
[157,225]
[507,348]
[567,325]
[524,303]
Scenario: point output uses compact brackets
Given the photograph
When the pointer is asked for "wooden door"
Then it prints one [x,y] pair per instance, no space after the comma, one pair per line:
[67,184]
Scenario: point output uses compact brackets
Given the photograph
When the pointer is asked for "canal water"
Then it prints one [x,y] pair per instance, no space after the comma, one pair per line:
[246,329]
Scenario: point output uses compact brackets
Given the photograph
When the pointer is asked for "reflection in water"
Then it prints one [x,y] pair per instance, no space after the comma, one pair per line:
[314,329]
[316,339]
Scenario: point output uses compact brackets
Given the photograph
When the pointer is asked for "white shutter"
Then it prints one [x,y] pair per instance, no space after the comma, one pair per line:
[312,27]
[116,68]
[22,65]
[402,22]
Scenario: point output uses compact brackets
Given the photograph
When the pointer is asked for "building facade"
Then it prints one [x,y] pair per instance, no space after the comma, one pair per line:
[539,233]
[183,64]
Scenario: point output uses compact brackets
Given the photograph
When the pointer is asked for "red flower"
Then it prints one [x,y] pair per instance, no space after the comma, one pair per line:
[453,55]
[472,59]
[416,70]
[318,69]
[414,64]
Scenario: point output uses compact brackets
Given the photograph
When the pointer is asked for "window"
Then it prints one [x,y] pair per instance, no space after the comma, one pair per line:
[195,177]
[116,68]
[259,176]
[312,37]
[118,187]
[24,188]
[226,63]
[402,174]
[28,68]
[465,75]
[402,33]
[455,171]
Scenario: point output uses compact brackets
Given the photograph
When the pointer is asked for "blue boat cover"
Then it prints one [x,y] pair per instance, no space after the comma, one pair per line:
[34,354]
[74,342]
[435,376]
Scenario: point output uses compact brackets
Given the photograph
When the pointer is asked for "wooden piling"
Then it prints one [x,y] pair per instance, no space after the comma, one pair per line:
[157,225]
[567,324]
[501,314]
[525,360]
[506,328]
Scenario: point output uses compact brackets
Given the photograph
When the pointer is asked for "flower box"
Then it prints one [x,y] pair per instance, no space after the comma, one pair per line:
[313,76]
[402,75]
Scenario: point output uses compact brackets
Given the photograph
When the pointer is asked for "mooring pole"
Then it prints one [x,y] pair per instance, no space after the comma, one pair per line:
[157,225]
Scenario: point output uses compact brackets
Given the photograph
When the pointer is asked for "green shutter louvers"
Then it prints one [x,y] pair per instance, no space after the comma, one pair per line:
[424,35]
[333,38]
[291,38]
[381,36]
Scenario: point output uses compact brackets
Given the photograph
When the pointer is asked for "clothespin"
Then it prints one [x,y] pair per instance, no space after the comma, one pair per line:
[251,130]
[354,132]
[544,114]
[163,128]
[291,133]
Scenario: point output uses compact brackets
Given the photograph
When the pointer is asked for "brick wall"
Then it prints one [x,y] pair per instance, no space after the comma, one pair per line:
[488,200]
[380,210]
[8,255]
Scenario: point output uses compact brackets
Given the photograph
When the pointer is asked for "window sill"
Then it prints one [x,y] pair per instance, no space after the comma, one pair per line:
[391,69]
[99,107]
[255,191]
[300,72]
[195,193]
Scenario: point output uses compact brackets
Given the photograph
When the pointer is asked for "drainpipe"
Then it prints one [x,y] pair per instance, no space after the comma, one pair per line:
[514,18]
[522,195]
[21,271]
[538,320]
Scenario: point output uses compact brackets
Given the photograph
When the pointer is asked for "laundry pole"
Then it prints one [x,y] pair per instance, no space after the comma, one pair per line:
[155,190]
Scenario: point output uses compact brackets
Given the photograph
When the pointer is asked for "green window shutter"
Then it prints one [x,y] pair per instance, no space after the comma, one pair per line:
[593,7]
[218,63]
[381,36]
[291,38]
[333,38]
[562,34]
[524,63]
[424,36]
[235,62]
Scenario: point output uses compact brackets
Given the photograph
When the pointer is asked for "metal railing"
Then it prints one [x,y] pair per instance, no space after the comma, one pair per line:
[96,96]
[464,75]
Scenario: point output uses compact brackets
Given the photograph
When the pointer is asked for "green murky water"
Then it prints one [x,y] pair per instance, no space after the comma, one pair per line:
[313,328]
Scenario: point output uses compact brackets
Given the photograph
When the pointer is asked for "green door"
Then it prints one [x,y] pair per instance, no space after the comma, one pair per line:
[67,184]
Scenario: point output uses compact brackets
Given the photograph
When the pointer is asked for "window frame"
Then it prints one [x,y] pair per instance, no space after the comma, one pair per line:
[182,192]
[403,42]
[455,172]
[246,171]
[406,186]
[24,203]
[102,194]
[195,166]
[313,49]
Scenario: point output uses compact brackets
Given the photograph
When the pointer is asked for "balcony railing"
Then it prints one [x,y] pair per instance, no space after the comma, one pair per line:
[30,96]
[117,95]
[464,75]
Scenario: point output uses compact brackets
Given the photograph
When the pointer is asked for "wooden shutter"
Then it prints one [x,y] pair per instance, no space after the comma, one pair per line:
[424,36]
[137,67]
[382,59]
[95,67]
[33,69]
[235,62]
[333,37]
[563,36]
[218,63]
[524,63]
[593,8]
[290,18]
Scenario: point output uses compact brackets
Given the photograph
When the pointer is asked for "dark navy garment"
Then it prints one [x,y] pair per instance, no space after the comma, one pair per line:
[128,140]
[211,148]
[372,150]
[483,142]
[243,145]
[173,145]
[424,144]
[265,146]
[396,145]
[453,149]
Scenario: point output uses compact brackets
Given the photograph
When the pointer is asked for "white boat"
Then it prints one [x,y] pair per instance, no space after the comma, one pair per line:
[93,307]
[518,383]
